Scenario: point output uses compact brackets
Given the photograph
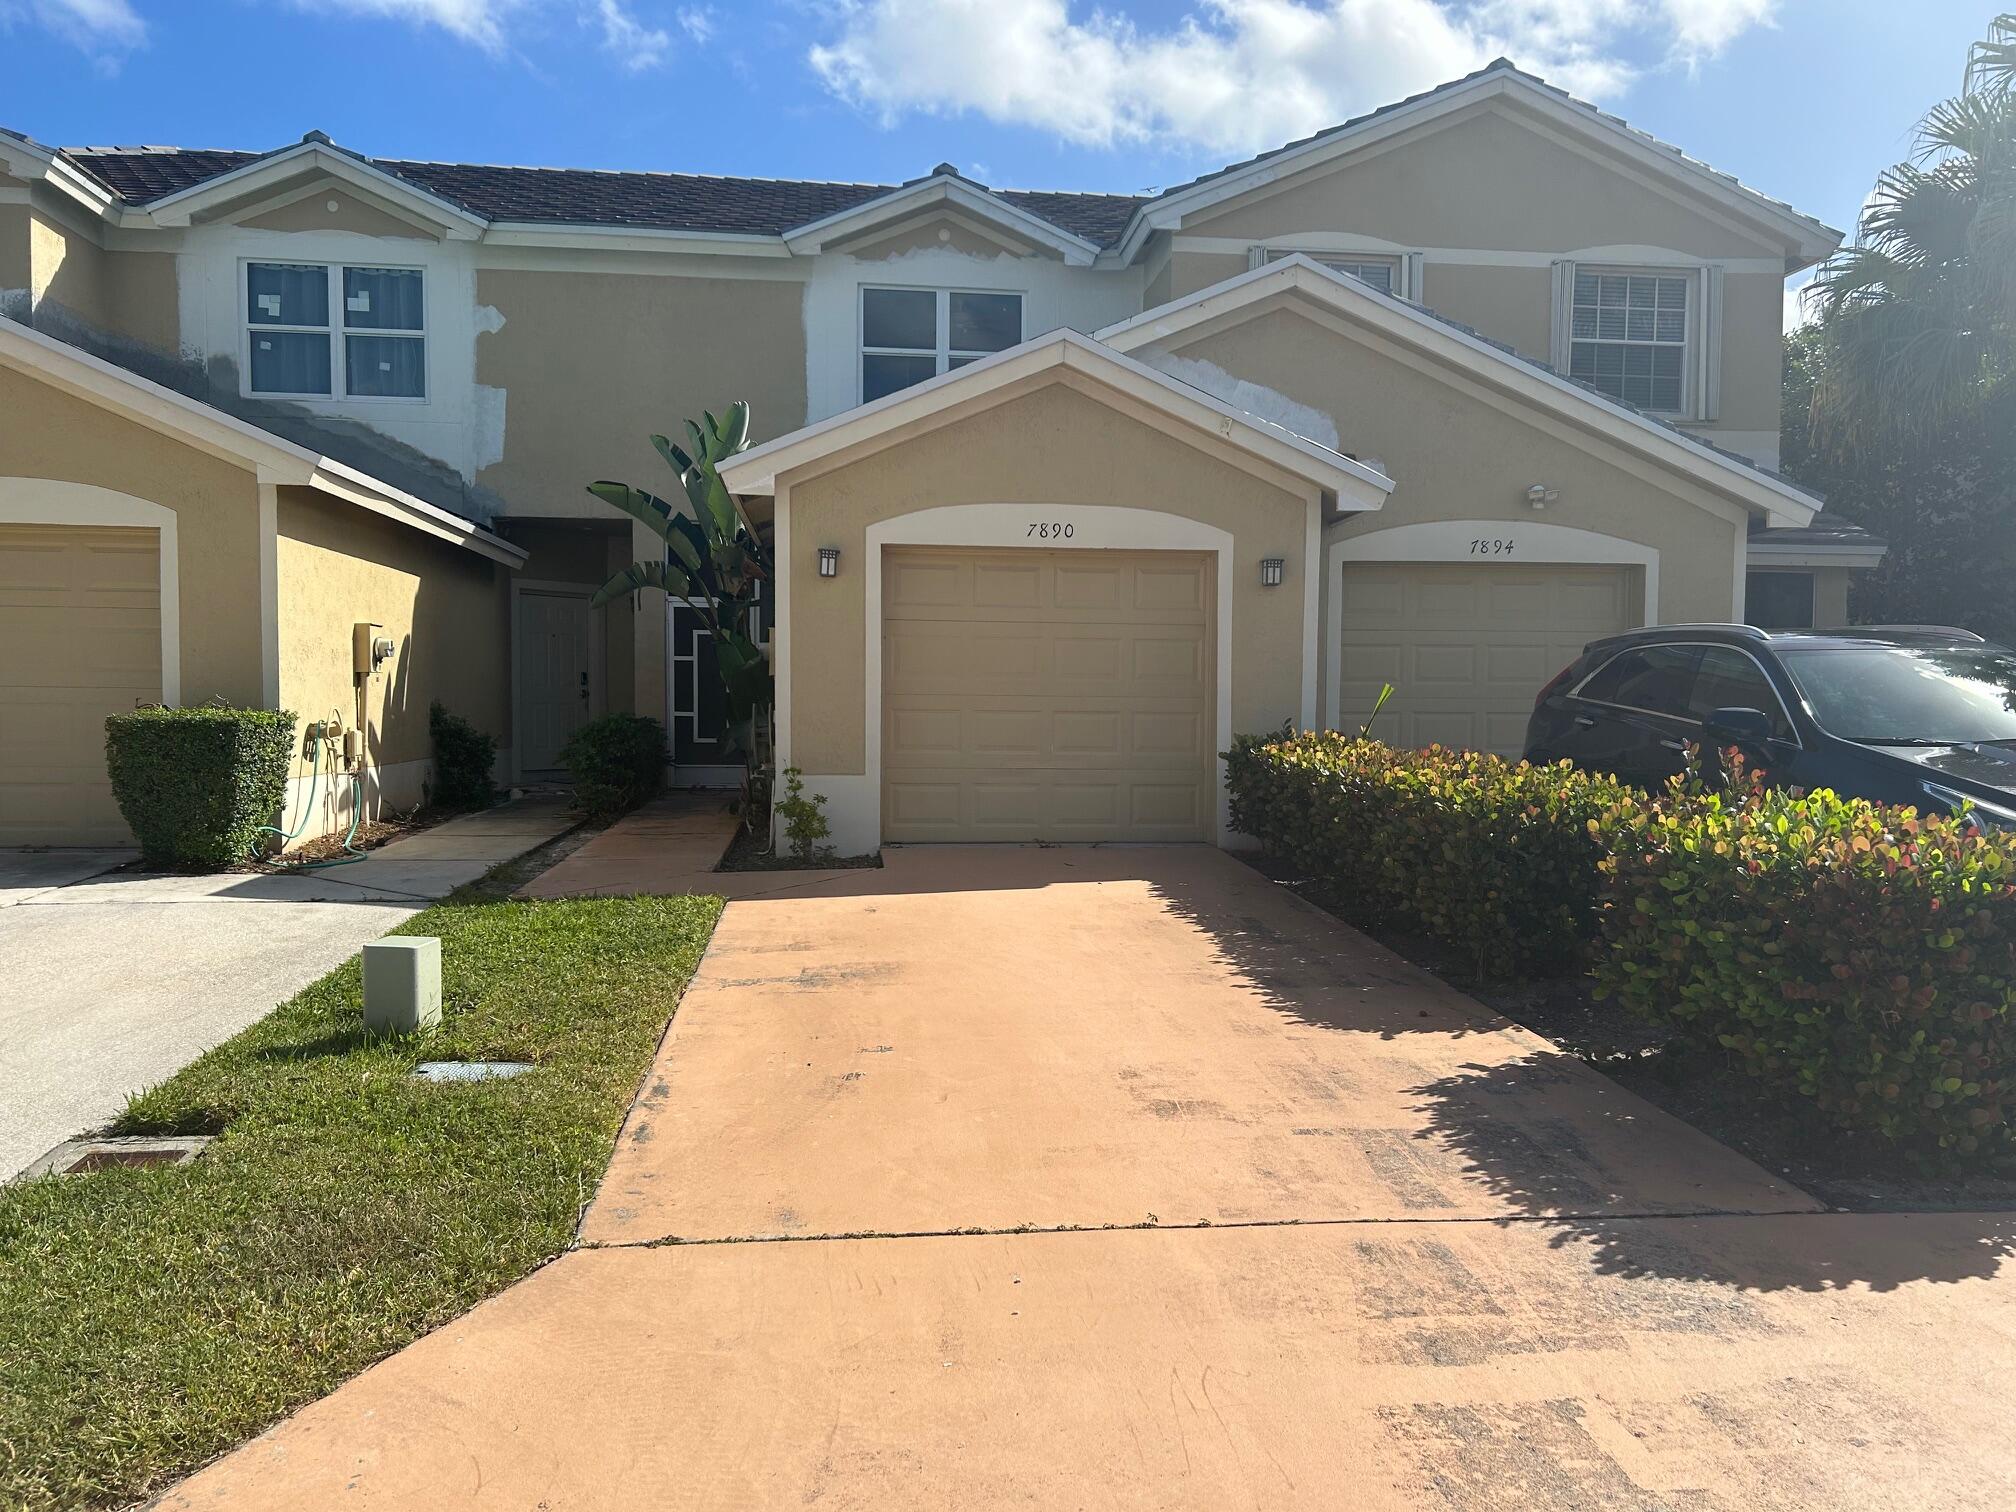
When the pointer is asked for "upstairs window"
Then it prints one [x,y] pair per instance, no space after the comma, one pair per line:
[909,335]
[1628,337]
[1382,273]
[295,348]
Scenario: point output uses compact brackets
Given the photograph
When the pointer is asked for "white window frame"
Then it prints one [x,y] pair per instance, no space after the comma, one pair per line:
[1701,354]
[1406,266]
[944,351]
[337,332]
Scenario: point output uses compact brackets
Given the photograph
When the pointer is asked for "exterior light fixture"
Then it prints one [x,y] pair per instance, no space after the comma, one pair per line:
[829,561]
[1540,495]
[1271,569]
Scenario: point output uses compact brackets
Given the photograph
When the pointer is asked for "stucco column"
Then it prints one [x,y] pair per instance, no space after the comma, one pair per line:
[648,627]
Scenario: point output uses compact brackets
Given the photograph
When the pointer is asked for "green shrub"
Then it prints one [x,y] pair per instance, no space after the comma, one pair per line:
[1493,858]
[195,785]
[463,759]
[804,817]
[1863,957]
[616,762]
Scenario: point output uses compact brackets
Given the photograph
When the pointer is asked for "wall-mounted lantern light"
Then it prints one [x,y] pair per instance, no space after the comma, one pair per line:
[1540,495]
[829,561]
[1271,569]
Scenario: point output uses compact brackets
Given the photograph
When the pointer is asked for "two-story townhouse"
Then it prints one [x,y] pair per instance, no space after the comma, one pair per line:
[1066,489]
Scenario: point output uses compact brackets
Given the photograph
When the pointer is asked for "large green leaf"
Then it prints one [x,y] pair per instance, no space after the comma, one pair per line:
[735,430]
[667,577]
[651,510]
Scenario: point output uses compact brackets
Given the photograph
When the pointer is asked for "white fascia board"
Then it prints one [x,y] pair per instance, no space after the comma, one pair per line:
[1815,554]
[1356,485]
[1813,239]
[565,234]
[1759,491]
[24,159]
[222,435]
[177,208]
[941,188]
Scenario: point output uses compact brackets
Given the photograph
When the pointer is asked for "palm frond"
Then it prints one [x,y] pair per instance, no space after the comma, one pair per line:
[649,509]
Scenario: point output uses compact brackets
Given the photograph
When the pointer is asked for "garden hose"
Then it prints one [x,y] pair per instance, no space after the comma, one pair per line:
[317,743]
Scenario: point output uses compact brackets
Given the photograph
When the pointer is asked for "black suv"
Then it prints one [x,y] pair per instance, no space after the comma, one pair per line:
[1916,714]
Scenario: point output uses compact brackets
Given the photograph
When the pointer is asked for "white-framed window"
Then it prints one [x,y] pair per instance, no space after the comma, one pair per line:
[1635,333]
[298,345]
[909,335]
[1386,274]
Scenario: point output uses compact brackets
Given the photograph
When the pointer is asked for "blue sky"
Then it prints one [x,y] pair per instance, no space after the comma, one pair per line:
[1805,99]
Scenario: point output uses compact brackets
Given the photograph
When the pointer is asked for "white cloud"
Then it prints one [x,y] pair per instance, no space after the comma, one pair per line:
[103,28]
[698,20]
[1236,75]
[1798,310]
[636,46]
[479,21]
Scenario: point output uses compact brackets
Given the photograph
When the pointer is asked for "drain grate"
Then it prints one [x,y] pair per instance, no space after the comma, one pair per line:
[470,1071]
[80,1157]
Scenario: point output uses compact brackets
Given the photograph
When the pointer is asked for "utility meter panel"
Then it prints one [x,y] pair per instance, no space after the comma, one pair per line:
[369,650]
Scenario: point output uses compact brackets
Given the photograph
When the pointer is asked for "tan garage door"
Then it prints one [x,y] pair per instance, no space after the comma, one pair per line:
[1047,695]
[1467,646]
[80,638]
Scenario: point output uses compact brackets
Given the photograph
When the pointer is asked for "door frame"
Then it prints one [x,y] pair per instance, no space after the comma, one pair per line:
[597,661]
[704,775]
[1449,541]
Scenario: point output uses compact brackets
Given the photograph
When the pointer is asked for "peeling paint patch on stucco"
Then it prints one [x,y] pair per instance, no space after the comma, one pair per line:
[486,425]
[1255,399]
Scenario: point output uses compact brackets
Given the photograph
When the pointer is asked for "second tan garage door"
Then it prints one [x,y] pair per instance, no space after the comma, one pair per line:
[80,638]
[1047,695]
[1467,646]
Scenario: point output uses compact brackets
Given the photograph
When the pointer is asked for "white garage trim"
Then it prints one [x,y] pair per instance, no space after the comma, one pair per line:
[854,803]
[1456,541]
[44,501]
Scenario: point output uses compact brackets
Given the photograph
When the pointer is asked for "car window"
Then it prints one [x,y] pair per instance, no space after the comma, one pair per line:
[1903,694]
[1729,679]
[1655,678]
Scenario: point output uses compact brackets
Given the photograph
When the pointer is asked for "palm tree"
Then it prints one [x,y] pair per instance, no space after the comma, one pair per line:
[1919,315]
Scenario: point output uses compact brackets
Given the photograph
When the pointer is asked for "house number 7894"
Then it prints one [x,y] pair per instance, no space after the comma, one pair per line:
[1052,530]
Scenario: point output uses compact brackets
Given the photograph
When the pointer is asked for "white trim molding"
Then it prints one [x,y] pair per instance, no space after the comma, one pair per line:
[854,800]
[1454,541]
[953,192]
[45,501]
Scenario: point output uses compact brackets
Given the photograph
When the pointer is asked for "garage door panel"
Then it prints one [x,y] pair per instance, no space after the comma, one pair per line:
[1467,645]
[80,638]
[1082,715]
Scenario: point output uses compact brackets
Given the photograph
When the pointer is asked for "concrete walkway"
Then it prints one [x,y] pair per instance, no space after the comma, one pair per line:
[1120,1178]
[116,980]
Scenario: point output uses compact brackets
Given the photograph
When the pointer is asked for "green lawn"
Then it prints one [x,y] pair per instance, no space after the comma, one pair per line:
[152,1318]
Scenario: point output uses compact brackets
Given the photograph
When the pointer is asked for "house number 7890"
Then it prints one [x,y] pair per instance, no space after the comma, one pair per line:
[1052,530]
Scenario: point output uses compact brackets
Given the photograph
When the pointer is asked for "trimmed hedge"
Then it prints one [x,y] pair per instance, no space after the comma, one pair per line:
[1862,956]
[463,759]
[616,762]
[1484,855]
[196,785]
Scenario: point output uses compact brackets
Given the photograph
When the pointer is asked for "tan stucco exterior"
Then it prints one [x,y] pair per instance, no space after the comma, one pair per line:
[1055,445]
[443,608]
[352,213]
[594,363]
[50,434]
[127,294]
[1460,452]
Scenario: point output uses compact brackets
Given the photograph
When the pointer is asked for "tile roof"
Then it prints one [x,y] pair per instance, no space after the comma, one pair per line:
[580,196]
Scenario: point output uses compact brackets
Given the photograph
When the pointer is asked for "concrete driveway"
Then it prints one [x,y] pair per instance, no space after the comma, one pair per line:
[1120,1178]
[112,980]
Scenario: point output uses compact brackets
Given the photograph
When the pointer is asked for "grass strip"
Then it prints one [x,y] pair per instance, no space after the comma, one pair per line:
[151,1318]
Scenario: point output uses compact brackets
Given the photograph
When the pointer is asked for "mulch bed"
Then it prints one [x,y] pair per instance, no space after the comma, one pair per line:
[1783,1134]
[748,852]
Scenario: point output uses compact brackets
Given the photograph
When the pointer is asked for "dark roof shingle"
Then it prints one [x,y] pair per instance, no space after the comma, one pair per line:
[580,196]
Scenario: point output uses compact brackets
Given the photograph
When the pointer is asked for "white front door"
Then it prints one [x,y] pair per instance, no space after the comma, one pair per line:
[555,673]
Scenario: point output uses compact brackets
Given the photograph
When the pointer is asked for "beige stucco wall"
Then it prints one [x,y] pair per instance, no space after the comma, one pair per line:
[132,295]
[1190,271]
[593,363]
[1053,445]
[15,263]
[352,213]
[1512,305]
[444,608]
[1458,455]
[50,434]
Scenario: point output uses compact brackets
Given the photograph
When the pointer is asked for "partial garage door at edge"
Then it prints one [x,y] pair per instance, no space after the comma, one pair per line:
[80,638]
[1468,646]
[1047,695]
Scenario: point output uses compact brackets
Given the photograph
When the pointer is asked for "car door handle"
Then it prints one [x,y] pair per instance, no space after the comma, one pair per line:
[1585,721]
[1674,745]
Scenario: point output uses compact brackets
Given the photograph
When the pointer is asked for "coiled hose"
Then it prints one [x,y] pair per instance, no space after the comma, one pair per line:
[317,744]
